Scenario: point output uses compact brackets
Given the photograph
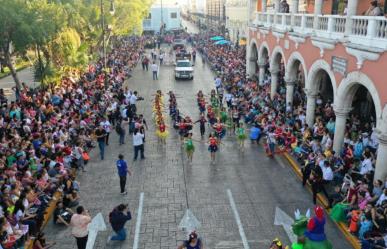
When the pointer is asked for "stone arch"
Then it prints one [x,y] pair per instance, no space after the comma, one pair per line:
[291,69]
[347,90]
[382,121]
[263,49]
[274,60]
[311,86]
[253,57]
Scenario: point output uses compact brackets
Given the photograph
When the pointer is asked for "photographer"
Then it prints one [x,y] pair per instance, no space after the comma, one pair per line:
[117,218]
[62,215]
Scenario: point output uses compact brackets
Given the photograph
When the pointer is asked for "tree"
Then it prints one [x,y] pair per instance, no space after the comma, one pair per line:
[62,32]
[48,22]
[129,15]
[16,32]
[25,25]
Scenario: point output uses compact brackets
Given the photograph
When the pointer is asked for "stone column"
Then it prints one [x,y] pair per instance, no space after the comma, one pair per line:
[381,160]
[310,108]
[261,72]
[276,11]
[289,92]
[294,9]
[274,82]
[341,121]
[318,4]
[276,6]
[351,11]
[264,6]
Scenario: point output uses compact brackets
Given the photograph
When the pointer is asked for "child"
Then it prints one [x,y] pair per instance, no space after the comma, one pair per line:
[189,147]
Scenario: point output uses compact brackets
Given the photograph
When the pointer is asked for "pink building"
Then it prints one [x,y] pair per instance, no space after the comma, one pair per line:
[342,58]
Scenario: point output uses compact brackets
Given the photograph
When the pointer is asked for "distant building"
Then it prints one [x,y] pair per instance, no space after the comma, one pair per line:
[215,13]
[167,16]
[237,19]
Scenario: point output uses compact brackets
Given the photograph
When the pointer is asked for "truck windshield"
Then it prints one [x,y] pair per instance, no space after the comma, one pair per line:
[183,64]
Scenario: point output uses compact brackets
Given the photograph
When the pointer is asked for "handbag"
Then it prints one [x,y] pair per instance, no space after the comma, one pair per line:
[85,156]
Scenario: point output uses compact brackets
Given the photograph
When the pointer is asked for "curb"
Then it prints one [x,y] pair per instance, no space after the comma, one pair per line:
[48,213]
[354,241]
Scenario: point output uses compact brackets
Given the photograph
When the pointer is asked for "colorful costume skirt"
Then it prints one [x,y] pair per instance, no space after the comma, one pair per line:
[242,136]
[190,148]
[163,134]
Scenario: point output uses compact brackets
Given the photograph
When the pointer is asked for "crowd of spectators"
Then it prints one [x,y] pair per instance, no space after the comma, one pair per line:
[345,177]
[46,134]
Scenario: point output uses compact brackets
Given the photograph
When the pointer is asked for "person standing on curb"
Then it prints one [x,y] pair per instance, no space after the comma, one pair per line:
[79,223]
[117,218]
[100,134]
[138,143]
[155,70]
[123,170]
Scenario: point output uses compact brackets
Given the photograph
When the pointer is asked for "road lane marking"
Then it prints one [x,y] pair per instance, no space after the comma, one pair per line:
[283,219]
[238,220]
[138,223]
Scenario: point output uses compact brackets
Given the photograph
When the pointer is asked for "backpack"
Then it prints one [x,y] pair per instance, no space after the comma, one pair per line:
[118,129]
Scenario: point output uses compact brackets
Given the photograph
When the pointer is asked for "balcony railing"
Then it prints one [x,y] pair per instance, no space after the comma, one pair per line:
[363,30]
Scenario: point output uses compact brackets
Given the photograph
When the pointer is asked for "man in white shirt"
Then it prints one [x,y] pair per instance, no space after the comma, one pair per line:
[218,83]
[155,70]
[228,98]
[105,124]
[133,101]
[327,172]
[366,165]
[382,198]
[138,143]
[161,57]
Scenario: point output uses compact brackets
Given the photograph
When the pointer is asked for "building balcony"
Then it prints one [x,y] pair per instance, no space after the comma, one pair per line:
[369,31]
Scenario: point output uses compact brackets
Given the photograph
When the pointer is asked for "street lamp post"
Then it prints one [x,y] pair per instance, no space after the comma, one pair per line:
[162,18]
[111,10]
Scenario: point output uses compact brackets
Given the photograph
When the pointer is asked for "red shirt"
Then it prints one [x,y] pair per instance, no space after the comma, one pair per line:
[213,141]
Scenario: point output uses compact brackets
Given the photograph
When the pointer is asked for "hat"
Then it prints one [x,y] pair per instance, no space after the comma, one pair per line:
[277,242]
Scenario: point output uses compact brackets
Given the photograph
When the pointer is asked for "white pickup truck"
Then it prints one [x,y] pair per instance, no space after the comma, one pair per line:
[184,70]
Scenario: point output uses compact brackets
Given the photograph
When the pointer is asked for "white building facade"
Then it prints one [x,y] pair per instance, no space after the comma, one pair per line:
[168,15]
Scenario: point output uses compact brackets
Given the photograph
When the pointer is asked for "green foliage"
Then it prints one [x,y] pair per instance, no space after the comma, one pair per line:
[64,32]
[129,15]
[45,73]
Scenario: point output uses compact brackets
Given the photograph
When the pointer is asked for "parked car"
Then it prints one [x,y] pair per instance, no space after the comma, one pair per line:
[184,70]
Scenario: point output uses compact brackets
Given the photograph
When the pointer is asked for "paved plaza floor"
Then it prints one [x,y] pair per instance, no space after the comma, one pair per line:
[171,185]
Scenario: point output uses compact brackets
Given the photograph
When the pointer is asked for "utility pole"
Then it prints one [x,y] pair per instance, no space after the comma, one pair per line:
[162,18]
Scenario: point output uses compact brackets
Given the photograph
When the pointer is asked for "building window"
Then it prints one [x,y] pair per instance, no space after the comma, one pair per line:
[173,15]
